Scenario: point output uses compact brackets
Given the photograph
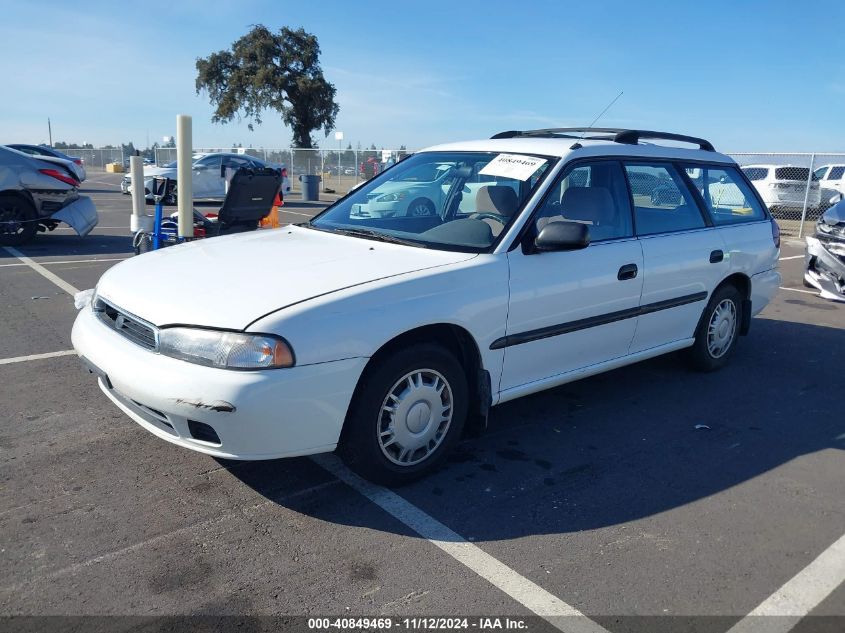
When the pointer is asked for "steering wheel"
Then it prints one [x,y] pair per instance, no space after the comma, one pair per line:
[481,215]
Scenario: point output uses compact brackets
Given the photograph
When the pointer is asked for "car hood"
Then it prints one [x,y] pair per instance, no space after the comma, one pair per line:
[229,282]
[396,186]
[835,214]
[150,172]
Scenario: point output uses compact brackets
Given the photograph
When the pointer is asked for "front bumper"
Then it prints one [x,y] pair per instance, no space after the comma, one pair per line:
[255,414]
[824,267]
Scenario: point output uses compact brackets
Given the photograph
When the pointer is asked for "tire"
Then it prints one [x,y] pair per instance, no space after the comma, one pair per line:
[718,330]
[438,380]
[420,208]
[18,220]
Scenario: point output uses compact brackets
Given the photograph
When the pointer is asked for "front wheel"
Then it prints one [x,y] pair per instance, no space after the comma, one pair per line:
[421,207]
[407,414]
[718,330]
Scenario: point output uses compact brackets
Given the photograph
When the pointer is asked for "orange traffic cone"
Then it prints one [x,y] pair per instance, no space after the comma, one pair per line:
[272,220]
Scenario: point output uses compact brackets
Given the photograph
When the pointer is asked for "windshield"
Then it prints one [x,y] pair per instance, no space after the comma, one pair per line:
[449,200]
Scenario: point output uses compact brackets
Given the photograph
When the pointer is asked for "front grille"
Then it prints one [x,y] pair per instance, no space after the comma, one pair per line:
[128,325]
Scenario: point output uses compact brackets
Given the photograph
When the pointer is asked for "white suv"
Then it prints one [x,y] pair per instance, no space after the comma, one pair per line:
[832,181]
[784,186]
[553,255]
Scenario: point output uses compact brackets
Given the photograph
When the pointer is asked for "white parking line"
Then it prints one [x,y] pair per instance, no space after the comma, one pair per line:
[61,283]
[783,259]
[21,359]
[799,596]
[307,215]
[67,228]
[806,292]
[558,613]
[71,261]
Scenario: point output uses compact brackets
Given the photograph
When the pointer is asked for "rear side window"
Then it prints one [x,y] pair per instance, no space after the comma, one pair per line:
[662,202]
[836,173]
[756,173]
[793,173]
[727,196]
[593,194]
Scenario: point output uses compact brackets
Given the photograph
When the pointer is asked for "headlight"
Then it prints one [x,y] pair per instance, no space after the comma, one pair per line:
[392,197]
[226,350]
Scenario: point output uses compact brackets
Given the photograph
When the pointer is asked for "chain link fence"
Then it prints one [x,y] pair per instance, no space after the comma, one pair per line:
[97,158]
[339,169]
[797,188]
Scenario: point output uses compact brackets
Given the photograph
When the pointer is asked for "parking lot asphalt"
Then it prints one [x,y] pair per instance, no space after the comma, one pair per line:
[647,491]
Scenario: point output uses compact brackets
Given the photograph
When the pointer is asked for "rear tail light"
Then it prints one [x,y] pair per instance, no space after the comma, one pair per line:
[284,172]
[775,232]
[73,182]
[78,161]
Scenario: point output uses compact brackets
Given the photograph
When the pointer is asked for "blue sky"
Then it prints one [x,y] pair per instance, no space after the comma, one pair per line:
[750,76]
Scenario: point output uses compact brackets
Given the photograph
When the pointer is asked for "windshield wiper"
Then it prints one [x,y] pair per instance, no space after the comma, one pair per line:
[369,234]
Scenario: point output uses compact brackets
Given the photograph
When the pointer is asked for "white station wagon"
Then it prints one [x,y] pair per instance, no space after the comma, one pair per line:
[382,337]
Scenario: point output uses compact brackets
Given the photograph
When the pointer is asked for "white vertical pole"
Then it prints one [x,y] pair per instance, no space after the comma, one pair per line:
[806,195]
[136,173]
[184,175]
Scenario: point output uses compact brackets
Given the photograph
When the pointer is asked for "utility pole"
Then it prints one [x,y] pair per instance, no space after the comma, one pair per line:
[50,131]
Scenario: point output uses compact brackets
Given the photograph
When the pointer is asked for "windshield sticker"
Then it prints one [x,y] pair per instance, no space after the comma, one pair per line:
[513,166]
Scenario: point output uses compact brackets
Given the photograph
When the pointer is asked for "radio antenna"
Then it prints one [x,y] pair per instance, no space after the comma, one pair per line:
[601,114]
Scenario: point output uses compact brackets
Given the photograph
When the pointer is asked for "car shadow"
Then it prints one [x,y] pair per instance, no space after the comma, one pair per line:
[624,445]
[53,244]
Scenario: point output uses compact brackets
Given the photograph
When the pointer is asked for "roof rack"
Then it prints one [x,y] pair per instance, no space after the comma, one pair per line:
[617,135]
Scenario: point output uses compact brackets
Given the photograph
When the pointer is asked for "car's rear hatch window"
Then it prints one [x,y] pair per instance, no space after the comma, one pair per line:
[793,173]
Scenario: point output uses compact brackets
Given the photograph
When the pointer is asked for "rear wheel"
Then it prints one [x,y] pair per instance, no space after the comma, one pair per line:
[718,330]
[407,415]
[18,222]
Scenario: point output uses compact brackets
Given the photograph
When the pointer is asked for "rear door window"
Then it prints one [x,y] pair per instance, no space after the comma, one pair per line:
[726,195]
[662,202]
[836,173]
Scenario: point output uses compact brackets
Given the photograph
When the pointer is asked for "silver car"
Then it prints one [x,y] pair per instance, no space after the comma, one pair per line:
[73,164]
[35,195]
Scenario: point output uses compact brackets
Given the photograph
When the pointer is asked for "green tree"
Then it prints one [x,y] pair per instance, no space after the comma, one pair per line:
[270,71]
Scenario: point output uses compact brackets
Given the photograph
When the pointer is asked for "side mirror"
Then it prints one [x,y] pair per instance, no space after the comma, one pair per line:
[562,236]
[835,199]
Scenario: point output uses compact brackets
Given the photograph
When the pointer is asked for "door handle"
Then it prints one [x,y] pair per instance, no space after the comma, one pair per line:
[716,256]
[628,271]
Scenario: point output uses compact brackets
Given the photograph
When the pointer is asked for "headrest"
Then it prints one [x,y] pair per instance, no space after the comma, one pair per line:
[497,199]
[588,204]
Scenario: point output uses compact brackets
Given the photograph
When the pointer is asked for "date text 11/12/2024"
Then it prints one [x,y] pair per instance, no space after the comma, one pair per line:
[417,623]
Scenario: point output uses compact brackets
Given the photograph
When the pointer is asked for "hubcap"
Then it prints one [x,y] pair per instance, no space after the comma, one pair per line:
[722,328]
[415,417]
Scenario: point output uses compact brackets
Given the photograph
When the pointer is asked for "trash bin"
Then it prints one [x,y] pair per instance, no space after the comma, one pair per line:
[310,187]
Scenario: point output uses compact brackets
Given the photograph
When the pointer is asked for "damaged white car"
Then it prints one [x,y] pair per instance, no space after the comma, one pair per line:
[384,337]
[824,261]
[36,195]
